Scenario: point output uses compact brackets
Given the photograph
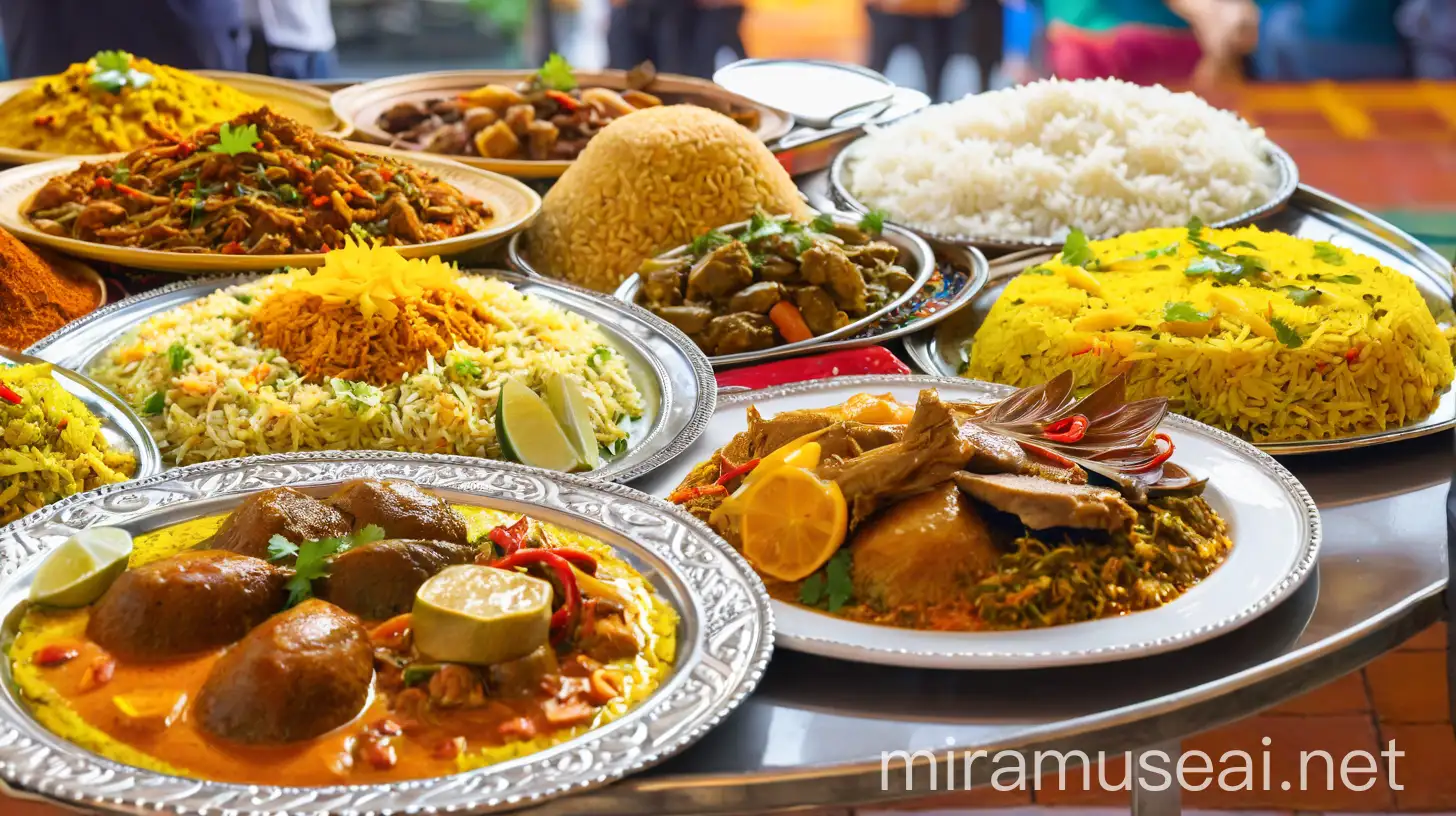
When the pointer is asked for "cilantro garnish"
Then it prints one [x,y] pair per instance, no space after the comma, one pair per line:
[358,394]
[599,355]
[178,356]
[235,141]
[1335,278]
[1286,333]
[122,173]
[1329,253]
[244,299]
[556,74]
[823,222]
[617,448]
[831,587]
[873,222]
[1184,312]
[708,241]
[761,226]
[114,72]
[1078,251]
[1303,297]
[1244,244]
[467,369]
[154,404]
[361,234]
[312,558]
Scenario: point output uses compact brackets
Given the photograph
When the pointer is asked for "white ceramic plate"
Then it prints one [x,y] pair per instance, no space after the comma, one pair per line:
[1272,521]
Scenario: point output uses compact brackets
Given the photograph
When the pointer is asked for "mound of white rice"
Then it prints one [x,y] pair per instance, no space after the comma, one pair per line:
[1104,156]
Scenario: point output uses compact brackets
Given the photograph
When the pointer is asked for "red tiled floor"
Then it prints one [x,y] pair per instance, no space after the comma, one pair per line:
[1347,695]
[1434,637]
[1427,772]
[1410,687]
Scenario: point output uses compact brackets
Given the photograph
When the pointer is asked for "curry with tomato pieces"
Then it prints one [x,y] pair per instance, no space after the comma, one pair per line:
[281,671]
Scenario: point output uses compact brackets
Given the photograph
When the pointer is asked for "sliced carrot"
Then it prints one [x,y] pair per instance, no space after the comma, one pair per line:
[790,322]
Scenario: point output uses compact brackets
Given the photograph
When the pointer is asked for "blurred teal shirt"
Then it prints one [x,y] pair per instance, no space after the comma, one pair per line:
[1104,15]
[1368,22]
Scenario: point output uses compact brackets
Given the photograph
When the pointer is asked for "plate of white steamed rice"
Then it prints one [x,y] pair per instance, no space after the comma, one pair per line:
[1024,166]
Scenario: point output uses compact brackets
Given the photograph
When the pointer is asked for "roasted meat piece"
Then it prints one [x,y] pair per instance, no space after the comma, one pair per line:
[827,266]
[1042,504]
[401,508]
[819,310]
[720,273]
[692,320]
[739,332]
[379,580]
[921,549]
[757,298]
[279,511]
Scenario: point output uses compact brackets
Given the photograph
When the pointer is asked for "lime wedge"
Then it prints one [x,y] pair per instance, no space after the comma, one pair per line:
[81,569]
[529,432]
[563,395]
[481,615]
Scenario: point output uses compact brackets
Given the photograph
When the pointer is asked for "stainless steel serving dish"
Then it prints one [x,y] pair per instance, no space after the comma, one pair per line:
[674,376]
[1311,214]
[725,635]
[842,169]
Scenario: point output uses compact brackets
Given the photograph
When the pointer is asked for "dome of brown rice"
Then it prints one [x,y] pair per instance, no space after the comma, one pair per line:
[651,181]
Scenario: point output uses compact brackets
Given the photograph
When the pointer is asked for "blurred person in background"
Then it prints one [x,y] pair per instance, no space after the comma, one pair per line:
[1169,42]
[656,30]
[1429,27]
[717,25]
[925,25]
[292,39]
[980,33]
[47,36]
[1023,46]
[1303,40]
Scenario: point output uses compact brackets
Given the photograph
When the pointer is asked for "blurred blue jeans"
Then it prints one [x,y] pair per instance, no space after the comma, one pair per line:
[1286,55]
[1430,27]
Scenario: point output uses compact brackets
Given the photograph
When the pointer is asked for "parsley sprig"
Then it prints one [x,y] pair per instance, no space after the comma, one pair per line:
[556,74]
[709,241]
[235,141]
[1184,312]
[873,222]
[313,558]
[831,587]
[114,72]
[1077,251]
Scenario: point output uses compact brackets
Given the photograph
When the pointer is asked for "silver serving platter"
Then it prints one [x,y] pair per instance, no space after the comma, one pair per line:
[1274,552]
[841,169]
[724,635]
[123,429]
[673,375]
[1310,214]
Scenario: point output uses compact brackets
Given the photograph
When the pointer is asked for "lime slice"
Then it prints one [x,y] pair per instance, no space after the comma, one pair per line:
[563,395]
[529,432]
[81,569]
[481,615]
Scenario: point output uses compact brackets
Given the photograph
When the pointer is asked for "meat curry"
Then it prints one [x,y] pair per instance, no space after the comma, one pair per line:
[773,281]
[1038,510]
[286,642]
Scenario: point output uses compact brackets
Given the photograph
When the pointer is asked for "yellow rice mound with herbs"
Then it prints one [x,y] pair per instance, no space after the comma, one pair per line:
[1291,340]
[654,619]
[51,446]
[649,182]
[68,113]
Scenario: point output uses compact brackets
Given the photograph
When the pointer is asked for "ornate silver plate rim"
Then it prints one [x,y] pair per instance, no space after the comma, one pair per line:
[839,191]
[672,364]
[725,637]
[905,240]
[978,657]
[926,348]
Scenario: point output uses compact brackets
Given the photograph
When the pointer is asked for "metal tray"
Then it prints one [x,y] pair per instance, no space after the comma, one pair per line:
[673,375]
[839,191]
[915,256]
[725,635]
[1310,214]
[123,429]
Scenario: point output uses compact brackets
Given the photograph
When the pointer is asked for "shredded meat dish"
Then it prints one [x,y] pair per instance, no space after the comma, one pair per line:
[260,185]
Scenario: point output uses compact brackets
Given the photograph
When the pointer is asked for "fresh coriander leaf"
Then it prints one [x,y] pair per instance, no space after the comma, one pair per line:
[114,72]
[360,234]
[873,222]
[1244,244]
[761,226]
[358,394]
[1202,265]
[1336,278]
[154,405]
[1303,297]
[823,222]
[1078,251]
[122,174]
[315,164]
[1038,270]
[599,356]
[708,241]
[1184,312]
[1286,333]
[1170,249]
[839,583]
[811,593]
[178,356]
[1195,229]
[556,74]
[368,535]
[288,194]
[313,563]
[1329,253]
[803,242]
[113,60]
[244,298]
[417,673]
[467,369]
[280,548]
[619,447]
[235,141]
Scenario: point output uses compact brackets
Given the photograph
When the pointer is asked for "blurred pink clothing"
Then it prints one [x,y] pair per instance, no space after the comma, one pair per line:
[1139,54]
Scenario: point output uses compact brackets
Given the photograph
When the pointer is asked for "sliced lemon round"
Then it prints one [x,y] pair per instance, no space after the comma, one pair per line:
[528,431]
[481,615]
[82,568]
[791,522]
[564,398]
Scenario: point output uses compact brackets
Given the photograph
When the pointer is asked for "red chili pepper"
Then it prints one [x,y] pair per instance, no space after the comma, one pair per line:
[511,538]
[1084,351]
[257,145]
[571,603]
[1353,354]
[386,174]
[130,192]
[734,473]
[564,100]
[1037,450]
[1069,430]
[234,248]
[54,654]
[687,494]
[61,426]
[320,201]
[43,121]
[103,182]
[582,561]
[1163,455]
[188,185]
[8,395]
